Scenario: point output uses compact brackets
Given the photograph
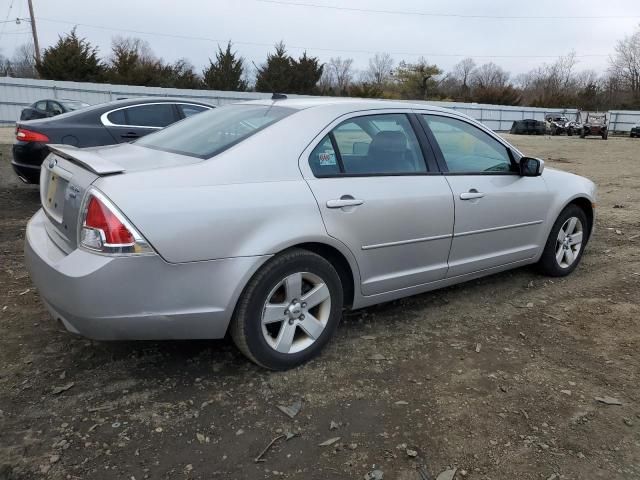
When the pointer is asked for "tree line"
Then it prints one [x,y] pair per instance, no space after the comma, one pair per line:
[131,61]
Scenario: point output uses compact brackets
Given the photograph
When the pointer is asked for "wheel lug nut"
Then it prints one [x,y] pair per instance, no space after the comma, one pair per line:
[301,317]
[304,305]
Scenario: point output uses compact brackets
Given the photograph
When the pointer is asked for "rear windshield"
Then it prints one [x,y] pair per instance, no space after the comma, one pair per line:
[209,133]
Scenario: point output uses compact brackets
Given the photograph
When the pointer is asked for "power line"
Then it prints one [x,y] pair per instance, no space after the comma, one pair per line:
[6,18]
[308,48]
[449,15]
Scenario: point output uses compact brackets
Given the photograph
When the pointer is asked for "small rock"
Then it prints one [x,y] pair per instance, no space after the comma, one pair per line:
[201,438]
[566,392]
[478,347]
[503,388]
[63,375]
[618,232]
[115,425]
[159,430]
[328,442]
[54,459]
[447,474]
[580,455]
[608,400]
[412,453]
[377,357]
[239,431]
[368,337]
[374,475]
[530,305]
[353,446]
[333,425]
[628,422]
[292,410]
[63,388]
[523,335]
[401,402]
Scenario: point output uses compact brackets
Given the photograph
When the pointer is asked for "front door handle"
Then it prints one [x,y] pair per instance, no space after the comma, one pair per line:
[344,201]
[471,194]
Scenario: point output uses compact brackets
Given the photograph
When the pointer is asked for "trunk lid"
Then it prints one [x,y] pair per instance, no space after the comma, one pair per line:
[68,172]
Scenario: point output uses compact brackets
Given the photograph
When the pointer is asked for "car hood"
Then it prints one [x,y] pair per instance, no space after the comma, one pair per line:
[121,158]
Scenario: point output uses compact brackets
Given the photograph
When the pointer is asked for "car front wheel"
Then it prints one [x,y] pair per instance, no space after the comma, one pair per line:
[288,311]
[565,245]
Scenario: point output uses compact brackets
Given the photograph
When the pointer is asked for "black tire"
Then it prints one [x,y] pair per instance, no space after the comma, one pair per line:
[548,265]
[605,135]
[582,134]
[246,324]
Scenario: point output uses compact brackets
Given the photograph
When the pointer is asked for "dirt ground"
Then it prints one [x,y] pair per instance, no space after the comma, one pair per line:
[496,378]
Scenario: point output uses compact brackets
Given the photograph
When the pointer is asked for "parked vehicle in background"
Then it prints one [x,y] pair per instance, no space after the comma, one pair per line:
[595,124]
[50,108]
[528,127]
[635,131]
[560,125]
[105,124]
[266,218]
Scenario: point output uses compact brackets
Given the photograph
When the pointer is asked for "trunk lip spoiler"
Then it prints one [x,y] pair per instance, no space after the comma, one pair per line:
[86,158]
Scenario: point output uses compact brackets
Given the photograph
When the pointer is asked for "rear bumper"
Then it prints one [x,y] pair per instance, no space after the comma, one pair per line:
[134,298]
[27,160]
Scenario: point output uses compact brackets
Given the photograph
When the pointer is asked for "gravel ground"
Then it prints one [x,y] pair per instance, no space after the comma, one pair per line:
[496,378]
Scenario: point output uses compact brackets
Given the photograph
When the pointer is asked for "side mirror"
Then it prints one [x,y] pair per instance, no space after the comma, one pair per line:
[531,167]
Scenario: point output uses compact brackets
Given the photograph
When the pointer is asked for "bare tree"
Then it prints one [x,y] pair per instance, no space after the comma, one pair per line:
[380,69]
[341,73]
[489,75]
[462,71]
[625,63]
[23,62]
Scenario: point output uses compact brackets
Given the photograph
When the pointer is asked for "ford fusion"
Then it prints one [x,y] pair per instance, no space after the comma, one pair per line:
[267,219]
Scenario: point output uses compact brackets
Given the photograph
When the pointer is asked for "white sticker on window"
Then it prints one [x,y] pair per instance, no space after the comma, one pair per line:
[327,158]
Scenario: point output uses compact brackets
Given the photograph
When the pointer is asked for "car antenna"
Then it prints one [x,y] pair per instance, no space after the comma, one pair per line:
[274,94]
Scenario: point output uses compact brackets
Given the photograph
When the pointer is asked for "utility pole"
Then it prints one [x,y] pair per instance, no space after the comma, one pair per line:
[36,45]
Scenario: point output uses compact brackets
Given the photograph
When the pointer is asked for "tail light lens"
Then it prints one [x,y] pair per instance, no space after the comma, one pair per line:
[104,229]
[25,135]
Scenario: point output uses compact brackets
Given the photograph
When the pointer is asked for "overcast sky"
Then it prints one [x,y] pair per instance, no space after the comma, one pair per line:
[517,44]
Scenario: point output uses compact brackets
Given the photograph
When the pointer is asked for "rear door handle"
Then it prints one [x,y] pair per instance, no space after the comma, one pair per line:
[471,194]
[130,135]
[344,201]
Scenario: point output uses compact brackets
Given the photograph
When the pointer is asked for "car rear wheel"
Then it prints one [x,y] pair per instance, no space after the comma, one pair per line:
[289,310]
[566,242]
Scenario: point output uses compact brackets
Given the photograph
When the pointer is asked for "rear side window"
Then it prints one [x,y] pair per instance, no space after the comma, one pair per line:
[153,115]
[211,132]
[369,145]
[117,118]
[42,105]
[188,110]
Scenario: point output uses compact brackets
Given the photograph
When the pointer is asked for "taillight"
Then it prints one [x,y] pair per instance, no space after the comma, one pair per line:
[104,229]
[25,135]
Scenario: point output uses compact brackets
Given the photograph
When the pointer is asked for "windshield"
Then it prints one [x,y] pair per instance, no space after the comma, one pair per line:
[209,133]
[74,105]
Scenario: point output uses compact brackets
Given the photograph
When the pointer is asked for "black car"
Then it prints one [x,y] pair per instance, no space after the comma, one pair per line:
[635,131]
[528,127]
[105,124]
[50,108]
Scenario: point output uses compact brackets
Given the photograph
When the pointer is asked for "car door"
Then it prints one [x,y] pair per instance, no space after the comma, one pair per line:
[499,214]
[380,194]
[129,123]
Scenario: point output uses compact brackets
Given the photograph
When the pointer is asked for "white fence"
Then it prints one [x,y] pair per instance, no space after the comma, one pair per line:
[17,93]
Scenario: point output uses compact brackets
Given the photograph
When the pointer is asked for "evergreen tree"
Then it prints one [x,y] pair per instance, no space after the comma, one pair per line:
[226,72]
[277,74]
[71,58]
[306,74]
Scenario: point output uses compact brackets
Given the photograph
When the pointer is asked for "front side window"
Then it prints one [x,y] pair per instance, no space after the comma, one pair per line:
[369,145]
[466,148]
[152,115]
[211,132]
[42,105]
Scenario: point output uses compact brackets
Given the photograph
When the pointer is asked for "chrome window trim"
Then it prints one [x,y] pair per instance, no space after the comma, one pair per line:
[107,123]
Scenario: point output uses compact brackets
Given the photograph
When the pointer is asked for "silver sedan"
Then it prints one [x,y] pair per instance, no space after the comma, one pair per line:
[268,218]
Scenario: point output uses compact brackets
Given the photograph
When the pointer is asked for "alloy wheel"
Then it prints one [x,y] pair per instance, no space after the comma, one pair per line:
[569,242]
[296,312]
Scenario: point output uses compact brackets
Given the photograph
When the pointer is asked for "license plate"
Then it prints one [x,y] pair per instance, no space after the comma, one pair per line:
[53,190]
